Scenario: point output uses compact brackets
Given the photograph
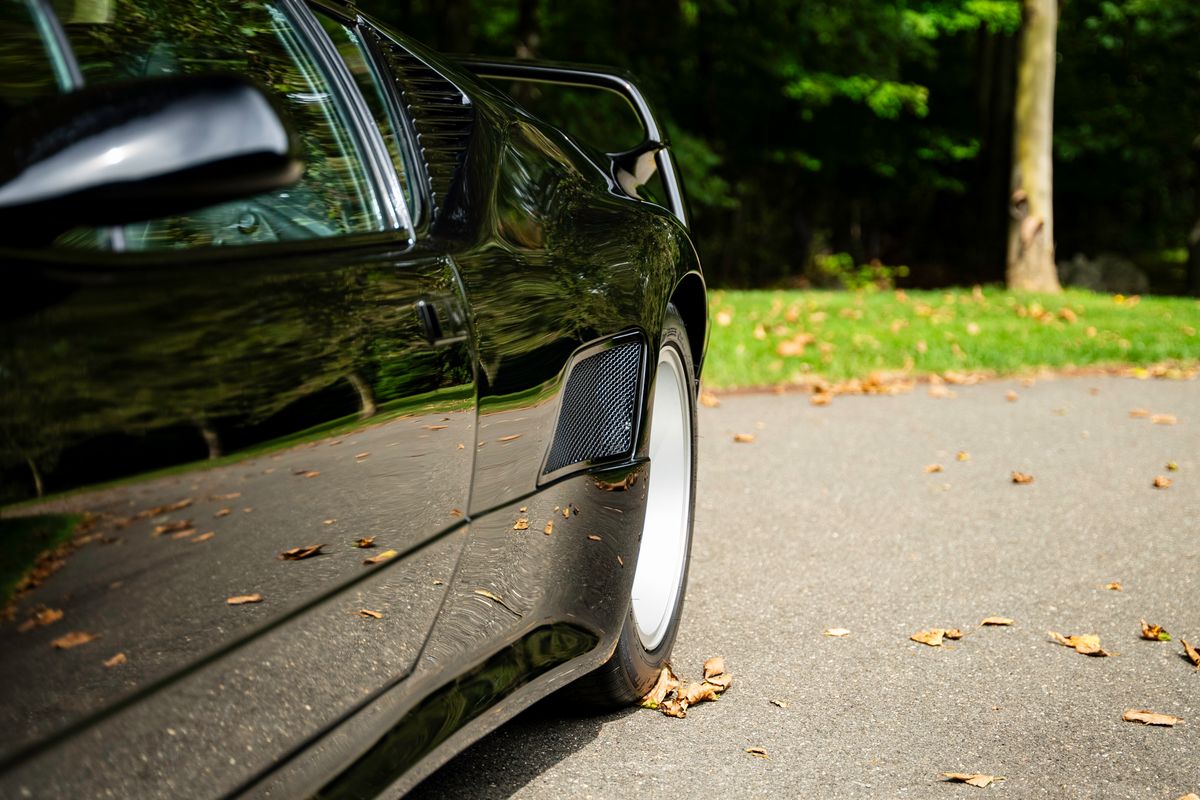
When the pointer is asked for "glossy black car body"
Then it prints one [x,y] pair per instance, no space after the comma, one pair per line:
[176,417]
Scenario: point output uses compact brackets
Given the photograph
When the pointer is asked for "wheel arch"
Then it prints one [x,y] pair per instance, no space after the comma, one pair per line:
[690,296]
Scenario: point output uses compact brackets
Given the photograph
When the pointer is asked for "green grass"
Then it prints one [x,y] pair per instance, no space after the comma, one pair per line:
[855,334]
[23,539]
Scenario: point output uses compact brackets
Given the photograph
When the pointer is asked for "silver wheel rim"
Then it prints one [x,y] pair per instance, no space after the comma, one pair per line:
[663,550]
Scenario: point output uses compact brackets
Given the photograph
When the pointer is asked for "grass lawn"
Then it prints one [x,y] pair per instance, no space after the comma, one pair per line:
[23,539]
[768,338]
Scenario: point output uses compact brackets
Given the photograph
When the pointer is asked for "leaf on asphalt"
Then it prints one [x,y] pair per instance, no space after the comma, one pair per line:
[666,683]
[435,427]
[509,438]
[1021,477]
[1150,717]
[996,621]
[932,637]
[780,703]
[744,438]
[549,529]
[962,455]
[171,527]
[1154,633]
[1189,796]
[757,752]
[714,666]
[115,661]
[566,512]
[971,778]
[229,496]
[709,400]
[821,399]
[1087,644]
[223,512]
[722,681]
[836,632]
[521,525]
[243,599]
[593,537]
[953,633]
[1162,482]
[73,639]
[674,708]
[932,468]
[299,553]
[328,521]
[42,617]
[369,614]
[1191,652]
[1011,396]
[1164,419]
[386,555]
[204,537]
[183,534]
[364,542]
[940,391]
[1114,586]
[1139,413]
[1172,466]
[156,511]
[695,693]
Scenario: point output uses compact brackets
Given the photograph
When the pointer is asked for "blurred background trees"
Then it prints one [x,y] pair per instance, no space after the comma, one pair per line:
[822,137]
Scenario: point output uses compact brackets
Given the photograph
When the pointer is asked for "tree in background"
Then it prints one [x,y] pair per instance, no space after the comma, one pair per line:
[1031,231]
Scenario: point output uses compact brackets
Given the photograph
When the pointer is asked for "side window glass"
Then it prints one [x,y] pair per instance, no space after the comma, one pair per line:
[30,64]
[362,66]
[122,39]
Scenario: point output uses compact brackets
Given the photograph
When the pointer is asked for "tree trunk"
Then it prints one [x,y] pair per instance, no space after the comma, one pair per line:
[1031,228]
[212,440]
[366,397]
[1193,240]
[38,486]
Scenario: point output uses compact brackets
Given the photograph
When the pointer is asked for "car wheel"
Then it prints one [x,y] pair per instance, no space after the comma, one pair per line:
[660,578]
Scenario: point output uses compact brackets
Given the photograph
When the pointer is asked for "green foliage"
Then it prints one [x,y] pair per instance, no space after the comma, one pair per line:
[840,268]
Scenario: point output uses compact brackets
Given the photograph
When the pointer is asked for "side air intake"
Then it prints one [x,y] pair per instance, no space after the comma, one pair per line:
[598,418]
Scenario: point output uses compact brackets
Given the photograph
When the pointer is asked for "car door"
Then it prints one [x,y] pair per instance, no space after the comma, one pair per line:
[236,447]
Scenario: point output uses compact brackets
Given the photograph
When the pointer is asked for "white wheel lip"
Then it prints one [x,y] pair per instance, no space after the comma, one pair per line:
[663,550]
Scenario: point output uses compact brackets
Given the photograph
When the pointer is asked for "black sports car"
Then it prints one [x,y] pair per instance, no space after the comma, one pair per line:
[346,408]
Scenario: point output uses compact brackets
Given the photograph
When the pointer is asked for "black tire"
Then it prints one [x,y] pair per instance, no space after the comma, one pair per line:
[632,670]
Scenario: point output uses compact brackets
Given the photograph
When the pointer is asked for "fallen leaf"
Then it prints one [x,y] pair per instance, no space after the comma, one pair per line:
[243,599]
[1139,413]
[996,621]
[230,496]
[836,632]
[171,527]
[1163,419]
[1011,396]
[932,468]
[183,534]
[666,683]
[523,509]
[456,512]
[971,778]
[361,456]
[722,681]
[1021,477]
[368,613]
[116,660]
[1154,633]
[709,400]
[1162,482]
[509,438]
[521,525]
[364,541]
[695,693]
[298,553]
[962,455]
[1150,717]
[674,708]
[435,427]
[73,639]
[744,438]
[328,522]
[224,512]
[386,555]
[621,561]
[932,637]
[593,537]
[757,752]
[549,529]
[1114,586]
[1172,466]
[40,618]
[714,666]
[1190,796]
[309,473]
[821,399]
[780,703]
[1087,644]
[247,510]
[204,537]
[1192,653]
[953,633]
[566,512]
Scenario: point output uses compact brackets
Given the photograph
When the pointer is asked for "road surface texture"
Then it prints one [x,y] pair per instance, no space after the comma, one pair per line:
[830,520]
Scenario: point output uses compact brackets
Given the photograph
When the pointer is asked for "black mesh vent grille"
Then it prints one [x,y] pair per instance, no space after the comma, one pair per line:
[596,419]
[441,114]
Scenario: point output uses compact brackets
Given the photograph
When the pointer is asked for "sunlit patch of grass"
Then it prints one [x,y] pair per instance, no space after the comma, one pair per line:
[762,338]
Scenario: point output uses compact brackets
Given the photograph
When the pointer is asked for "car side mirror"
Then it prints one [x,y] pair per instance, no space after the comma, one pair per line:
[138,150]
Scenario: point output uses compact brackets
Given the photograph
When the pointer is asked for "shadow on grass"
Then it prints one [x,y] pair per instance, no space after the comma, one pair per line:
[23,539]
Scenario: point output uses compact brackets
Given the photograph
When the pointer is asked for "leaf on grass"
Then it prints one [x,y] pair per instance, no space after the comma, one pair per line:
[549,529]
[73,639]
[1087,644]
[364,542]
[204,537]
[1139,413]
[743,438]
[1162,482]
[932,468]
[1164,419]
[1191,652]
[223,512]
[1114,586]
[369,614]
[386,555]
[40,618]
[171,527]
[521,525]
[1150,717]
[971,778]
[1021,477]
[115,661]
[996,621]
[1154,633]
[298,553]
[243,599]
[757,752]
[836,632]
[932,637]
[709,400]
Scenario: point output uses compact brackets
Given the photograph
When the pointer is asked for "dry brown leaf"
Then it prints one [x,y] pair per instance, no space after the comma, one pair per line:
[1114,586]
[743,438]
[673,708]
[521,525]
[115,661]
[1190,796]
[1162,482]
[780,703]
[1150,717]
[204,537]
[566,512]
[971,778]
[183,534]
[1139,413]
[435,427]
[364,542]
[714,666]
[328,521]
[73,639]
[229,496]
[932,637]
[549,529]
[312,473]
[821,399]
[621,561]
[243,599]
[932,468]
[386,555]
[1021,477]
[523,509]
[666,683]
[171,527]
[361,456]
[369,614]
[1011,396]
[1087,644]
[695,693]
[996,621]
[953,633]
[709,400]
[962,455]
[836,632]
[757,752]
[1154,633]
[1172,466]
[1163,419]
[40,618]
[223,512]
[1191,652]
[298,553]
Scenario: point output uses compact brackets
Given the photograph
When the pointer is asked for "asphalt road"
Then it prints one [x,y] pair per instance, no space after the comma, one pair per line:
[828,519]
